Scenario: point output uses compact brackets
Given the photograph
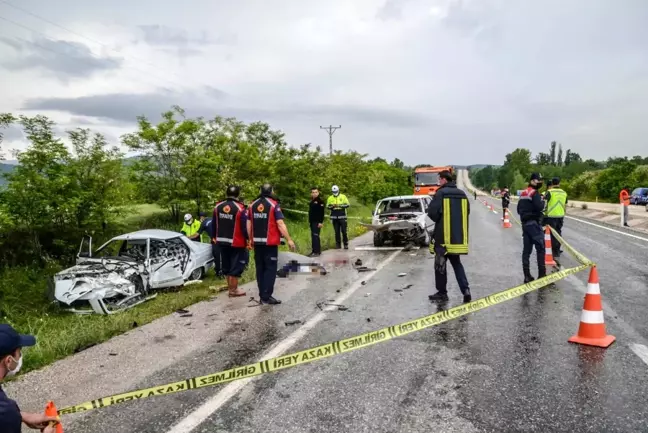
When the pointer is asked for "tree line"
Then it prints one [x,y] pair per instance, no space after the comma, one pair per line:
[583,179]
[59,192]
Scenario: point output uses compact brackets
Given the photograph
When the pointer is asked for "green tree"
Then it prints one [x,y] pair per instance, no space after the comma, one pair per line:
[552,153]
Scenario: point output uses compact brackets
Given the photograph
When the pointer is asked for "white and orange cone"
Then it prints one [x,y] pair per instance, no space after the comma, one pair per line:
[506,224]
[591,331]
[549,260]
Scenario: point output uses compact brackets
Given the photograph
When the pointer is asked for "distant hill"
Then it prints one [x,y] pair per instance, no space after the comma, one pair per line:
[5,168]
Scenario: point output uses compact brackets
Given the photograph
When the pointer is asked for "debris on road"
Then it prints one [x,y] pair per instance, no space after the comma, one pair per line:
[293,322]
[368,319]
[219,339]
[367,295]
[186,315]
[182,311]
[364,269]
[408,286]
[398,290]
[343,308]
[358,262]
[363,283]
[112,354]
[189,283]
[402,274]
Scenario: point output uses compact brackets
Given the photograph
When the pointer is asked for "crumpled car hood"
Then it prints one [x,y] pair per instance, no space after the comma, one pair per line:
[406,222]
[94,280]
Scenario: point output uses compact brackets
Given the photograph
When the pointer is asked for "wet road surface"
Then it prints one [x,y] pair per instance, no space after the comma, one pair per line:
[506,368]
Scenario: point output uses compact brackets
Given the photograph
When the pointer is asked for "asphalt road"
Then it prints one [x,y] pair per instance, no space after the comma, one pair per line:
[507,368]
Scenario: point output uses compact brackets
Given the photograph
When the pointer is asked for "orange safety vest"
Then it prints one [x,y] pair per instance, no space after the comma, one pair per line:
[624,197]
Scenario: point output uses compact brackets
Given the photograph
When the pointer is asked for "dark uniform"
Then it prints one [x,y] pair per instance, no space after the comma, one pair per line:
[530,208]
[315,218]
[264,213]
[207,227]
[231,236]
[554,214]
[449,210]
[506,201]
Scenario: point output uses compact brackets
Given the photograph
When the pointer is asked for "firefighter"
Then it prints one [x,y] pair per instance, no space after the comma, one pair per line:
[449,210]
[230,234]
[506,201]
[554,214]
[191,227]
[624,199]
[265,227]
[338,204]
[530,208]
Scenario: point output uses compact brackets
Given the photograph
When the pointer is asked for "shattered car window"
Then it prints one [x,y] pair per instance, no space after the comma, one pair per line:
[405,205]
[130,250]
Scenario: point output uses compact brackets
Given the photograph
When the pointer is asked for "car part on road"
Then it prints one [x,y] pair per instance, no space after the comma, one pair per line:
[323,351]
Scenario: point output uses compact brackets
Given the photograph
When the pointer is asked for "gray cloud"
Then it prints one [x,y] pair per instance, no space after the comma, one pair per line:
[160,35]
[66,59]
[11,133]
[211,102]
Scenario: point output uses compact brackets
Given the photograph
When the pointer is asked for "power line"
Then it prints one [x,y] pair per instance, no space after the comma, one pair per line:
[83,36]
[331,130]
[67,54]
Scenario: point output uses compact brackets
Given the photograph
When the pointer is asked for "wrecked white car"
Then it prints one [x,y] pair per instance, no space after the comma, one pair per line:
[402,220]
[122,272]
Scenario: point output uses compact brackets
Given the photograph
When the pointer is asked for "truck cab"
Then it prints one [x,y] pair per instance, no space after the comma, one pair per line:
[426,179]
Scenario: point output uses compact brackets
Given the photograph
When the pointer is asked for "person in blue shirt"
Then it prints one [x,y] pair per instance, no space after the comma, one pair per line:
[207,227]
[11,359]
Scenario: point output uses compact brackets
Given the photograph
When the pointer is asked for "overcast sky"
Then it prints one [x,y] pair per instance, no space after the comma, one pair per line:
[436,81]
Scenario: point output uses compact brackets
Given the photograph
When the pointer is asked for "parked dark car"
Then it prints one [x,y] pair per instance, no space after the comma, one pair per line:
[639,196]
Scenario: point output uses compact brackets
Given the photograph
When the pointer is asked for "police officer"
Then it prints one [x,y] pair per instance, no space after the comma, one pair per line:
[11,359]
[207,228]
[265,227]
[554,215]
[316,221]
[231,236]
[450,206]
[190,228]
[530,208]
[506,201]
[338,204]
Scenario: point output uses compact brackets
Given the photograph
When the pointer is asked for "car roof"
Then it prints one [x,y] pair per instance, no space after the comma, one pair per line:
[402,197]
[149,234]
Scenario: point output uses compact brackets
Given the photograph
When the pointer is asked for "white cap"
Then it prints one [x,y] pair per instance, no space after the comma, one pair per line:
[187,217]
[335,189]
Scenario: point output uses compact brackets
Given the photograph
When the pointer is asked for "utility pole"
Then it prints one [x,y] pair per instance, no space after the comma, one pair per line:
[331,130]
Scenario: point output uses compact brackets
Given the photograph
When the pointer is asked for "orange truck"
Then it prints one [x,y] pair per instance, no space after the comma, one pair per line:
[426,179]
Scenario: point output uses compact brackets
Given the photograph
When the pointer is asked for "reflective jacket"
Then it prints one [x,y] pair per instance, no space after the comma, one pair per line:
[230,220]
[192,229]
[556,201]
[338,206]
[264,213]
[449,210]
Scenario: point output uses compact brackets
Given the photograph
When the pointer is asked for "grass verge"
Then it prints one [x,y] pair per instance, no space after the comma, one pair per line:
[24,304]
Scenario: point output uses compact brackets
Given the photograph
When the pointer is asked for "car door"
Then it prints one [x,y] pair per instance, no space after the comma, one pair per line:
[165,270]
[429,224]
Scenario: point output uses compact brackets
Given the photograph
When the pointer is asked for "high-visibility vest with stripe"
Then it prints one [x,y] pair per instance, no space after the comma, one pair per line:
[556,204]
[265,230]
[455,224]
[229,228]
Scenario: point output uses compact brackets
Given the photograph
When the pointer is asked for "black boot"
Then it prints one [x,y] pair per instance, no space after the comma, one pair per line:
[438,296]
[467,296]
[527,276]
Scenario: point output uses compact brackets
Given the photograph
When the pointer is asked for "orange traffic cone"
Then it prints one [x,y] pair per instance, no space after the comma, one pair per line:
[507,223]
[50,410]
[549,260]
[591,330]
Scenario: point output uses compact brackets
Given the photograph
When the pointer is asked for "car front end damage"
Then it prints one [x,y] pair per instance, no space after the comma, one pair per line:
[102,286]
[399,228]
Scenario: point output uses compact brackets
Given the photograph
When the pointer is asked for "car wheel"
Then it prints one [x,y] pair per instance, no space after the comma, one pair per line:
[197,274]
[378,240]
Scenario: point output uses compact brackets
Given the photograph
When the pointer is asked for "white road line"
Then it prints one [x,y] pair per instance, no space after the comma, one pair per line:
[641,351]
[608,228]
[195,418]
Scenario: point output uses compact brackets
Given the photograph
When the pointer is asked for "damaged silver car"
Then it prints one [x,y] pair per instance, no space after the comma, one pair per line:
[125,270]
[401,220]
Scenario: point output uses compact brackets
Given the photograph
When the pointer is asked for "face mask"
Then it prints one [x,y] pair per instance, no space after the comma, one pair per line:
[17,369]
